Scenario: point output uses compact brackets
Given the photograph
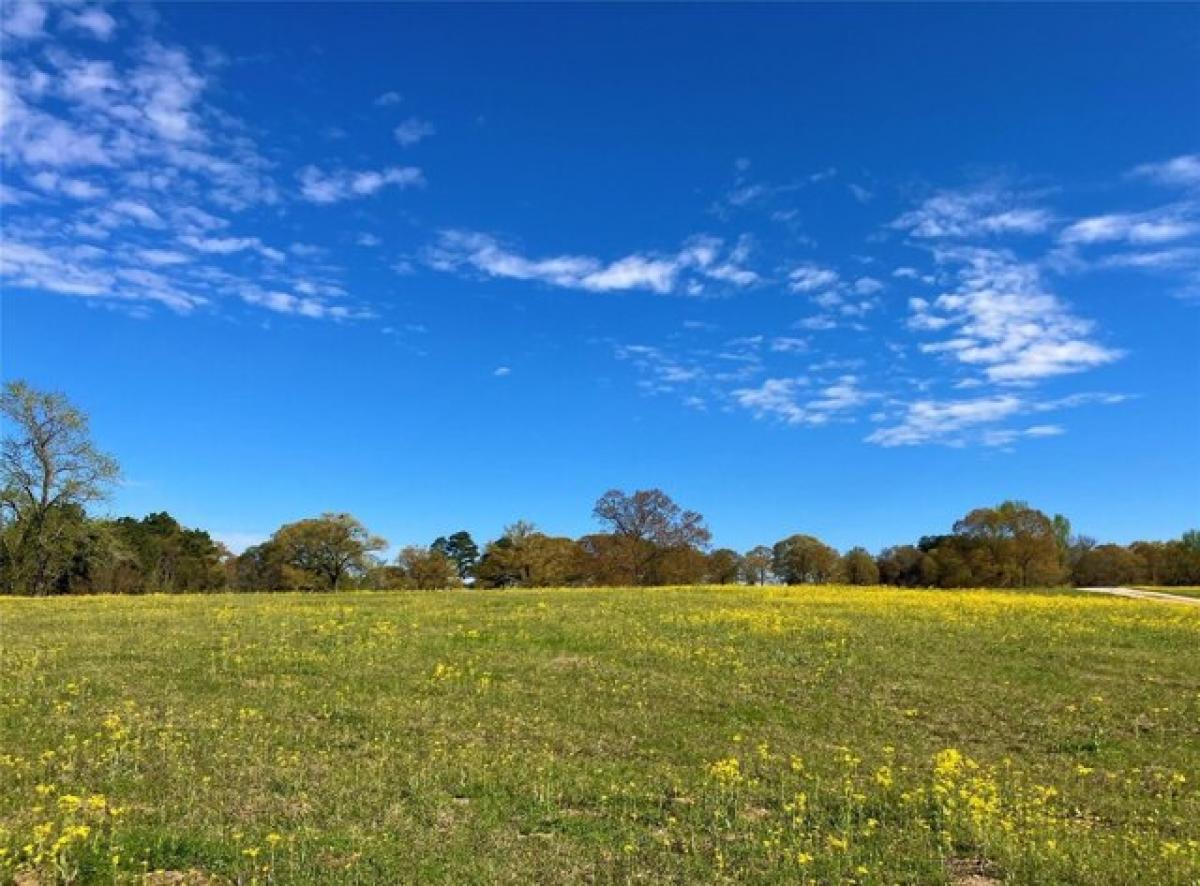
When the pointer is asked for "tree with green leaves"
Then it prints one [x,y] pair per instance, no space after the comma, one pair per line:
[328,547]
[756,565]
[426,569]
[525,557]
[859,567]
[461,549]
[803,559]
[50,472]
[1020,545]
[170,557]
[724,567]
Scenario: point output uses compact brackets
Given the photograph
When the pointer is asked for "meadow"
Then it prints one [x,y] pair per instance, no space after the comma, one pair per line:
[699,735]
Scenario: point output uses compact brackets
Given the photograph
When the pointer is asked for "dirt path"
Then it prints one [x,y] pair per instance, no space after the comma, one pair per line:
[1135,594]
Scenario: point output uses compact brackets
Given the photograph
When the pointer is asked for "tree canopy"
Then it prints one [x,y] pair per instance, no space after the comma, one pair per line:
[51,473]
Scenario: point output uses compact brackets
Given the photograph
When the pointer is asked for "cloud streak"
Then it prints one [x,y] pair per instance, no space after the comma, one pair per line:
[700,259]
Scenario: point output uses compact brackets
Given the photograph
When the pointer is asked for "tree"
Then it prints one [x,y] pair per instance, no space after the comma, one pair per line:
[328,547]
[169,557]
[646,524]
[100,562]
[901,566]
[756,565]
[1062,535]
[724,567]
[858,567]
[260,568]
[1023,545]
[803,559]
[1108,566]
[427,569]
[460,548]
[50,471]
[680,565]
[1181,562]
[524,557]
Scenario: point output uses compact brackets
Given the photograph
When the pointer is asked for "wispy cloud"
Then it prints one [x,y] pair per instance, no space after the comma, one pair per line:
[1183,170]
[980,212]
[1005,323]
[151,167]
[412,131]
[23,20]
[793,400]
[91,20]
[337,185]
[964,421]
[699,259]
[1159,226]
[810,278]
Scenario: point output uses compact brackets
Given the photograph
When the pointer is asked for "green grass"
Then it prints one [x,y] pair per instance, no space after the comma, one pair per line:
[685,735]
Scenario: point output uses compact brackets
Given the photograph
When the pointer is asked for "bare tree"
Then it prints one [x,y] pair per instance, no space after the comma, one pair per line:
[647,524]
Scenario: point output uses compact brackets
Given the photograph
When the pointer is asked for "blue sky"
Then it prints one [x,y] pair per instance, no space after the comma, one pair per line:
[846,270]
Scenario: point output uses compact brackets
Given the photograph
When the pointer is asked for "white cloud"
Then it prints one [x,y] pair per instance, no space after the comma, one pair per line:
[861,194]
[809,278]
[1185,257]
[22,20]
[633,272]
[817,323]
[332,187]
[65,271]
[167,89]
[139,117]
[841,396]
[867,286]
[1138,228]
[662,274]
[775,398]
[985,211]
[230,245]
[929,420]
[1004,322]
[663,373]
[139,212]
[287,303]
[1183,170]
[76,188]
[1045,431]
[388,99]
[979,420]
[501,371]
[784,344]
[93,20]
[790,401]
[162,257]
[412,131]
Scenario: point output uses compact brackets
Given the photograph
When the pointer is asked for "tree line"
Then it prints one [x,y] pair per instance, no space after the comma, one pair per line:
[51,473]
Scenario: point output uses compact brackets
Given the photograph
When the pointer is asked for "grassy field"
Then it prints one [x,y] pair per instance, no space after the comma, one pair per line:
[693,735]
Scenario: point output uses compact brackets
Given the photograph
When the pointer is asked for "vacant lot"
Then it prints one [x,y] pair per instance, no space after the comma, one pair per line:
[696,735]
